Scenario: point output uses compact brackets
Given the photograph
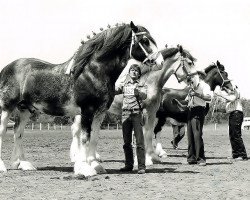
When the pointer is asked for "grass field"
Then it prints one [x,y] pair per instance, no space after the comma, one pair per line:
[49,152]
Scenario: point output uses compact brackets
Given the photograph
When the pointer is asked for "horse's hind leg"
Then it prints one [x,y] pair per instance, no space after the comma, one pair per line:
[3,126]
[18,159]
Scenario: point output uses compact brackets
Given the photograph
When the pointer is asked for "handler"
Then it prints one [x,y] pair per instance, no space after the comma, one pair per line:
[132,119]
[234,108]
[197,98]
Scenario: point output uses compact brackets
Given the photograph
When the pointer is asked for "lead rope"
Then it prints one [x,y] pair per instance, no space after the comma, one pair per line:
[214,107]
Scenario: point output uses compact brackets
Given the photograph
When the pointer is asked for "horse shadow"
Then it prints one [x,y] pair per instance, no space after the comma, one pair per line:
[109,161]
[153,171]
[56,169]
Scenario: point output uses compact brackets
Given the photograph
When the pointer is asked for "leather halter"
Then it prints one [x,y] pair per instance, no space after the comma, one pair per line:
[184,67]
[149,56]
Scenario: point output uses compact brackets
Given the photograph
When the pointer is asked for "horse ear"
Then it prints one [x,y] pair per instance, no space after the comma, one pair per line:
[133,27]
[218,63]
[180,48]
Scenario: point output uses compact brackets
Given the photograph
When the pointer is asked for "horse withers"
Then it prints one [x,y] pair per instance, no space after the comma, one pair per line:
[83,86]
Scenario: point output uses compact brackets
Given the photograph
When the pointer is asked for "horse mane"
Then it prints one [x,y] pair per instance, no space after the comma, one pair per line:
[106,43]
[169,52]
[212,66]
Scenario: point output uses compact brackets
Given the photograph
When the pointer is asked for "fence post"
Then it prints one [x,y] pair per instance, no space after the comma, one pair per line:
[215,126]
[117,126]
[54,126]
[108,126]
[40,126]
[61,126]
[48,126]
[32,126]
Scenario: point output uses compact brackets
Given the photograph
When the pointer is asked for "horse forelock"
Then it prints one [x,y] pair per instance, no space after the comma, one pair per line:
[214,66]
[169,52]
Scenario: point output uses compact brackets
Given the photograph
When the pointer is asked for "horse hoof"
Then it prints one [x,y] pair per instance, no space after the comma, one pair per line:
[98,168]
[83,168]
[26,166]
[163,154]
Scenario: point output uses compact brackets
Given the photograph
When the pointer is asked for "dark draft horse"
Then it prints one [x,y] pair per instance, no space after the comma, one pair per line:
[174,99]
[32,85]
[177,61]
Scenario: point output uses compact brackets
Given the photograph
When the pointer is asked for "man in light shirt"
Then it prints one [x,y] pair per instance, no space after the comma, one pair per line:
[234,108]
[197,98]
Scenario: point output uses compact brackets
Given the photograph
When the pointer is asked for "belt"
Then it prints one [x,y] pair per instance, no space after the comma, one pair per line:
[132,110]
[236,111]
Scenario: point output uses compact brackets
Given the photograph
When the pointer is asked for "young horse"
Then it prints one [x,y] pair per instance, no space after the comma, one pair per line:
[177,61]
[215,76]
[86,92]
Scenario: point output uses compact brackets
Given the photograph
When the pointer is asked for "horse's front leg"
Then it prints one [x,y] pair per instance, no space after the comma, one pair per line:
[91,156]
[158,147]
[18,158]
[78,149]
[3,126]
[148,128]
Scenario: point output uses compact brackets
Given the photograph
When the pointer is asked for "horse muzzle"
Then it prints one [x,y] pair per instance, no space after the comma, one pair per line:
[154,59]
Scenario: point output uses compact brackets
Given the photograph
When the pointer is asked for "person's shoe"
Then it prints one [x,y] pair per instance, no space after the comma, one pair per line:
[126,169]
[202,163]
[238,159]
[190,163]
[141,171]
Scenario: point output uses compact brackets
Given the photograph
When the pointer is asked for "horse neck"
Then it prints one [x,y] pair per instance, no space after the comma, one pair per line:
[157,78]
[164,74]
[210,80]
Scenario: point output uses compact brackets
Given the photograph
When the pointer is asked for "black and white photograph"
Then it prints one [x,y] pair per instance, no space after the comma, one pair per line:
[135,99]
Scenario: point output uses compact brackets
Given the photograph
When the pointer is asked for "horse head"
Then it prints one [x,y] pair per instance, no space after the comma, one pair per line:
[143,47]
[115,46]
[183,65]
[217,76]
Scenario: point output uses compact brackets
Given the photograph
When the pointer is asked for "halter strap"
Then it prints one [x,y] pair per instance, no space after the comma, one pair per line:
[134,38]
[185,70]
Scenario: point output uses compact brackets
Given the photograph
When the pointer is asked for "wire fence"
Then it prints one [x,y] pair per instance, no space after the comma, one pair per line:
[53,126]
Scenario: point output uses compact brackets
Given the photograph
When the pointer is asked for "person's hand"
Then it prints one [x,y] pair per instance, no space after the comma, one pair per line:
[136,92]
[192,93]
[217,91]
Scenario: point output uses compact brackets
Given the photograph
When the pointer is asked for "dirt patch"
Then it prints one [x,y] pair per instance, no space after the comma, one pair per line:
[171,179]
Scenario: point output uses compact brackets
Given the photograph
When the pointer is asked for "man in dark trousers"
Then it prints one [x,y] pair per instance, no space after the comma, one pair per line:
[132,119]
[234,108]
[197,98]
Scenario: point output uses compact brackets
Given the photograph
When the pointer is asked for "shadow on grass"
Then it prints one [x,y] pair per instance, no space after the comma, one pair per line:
[175,155]
[220,163]
[152,171]
[109,161]
[178,149]
[213,157]
[54,168]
